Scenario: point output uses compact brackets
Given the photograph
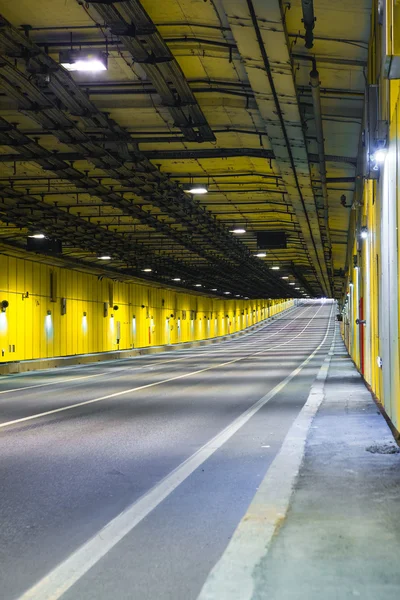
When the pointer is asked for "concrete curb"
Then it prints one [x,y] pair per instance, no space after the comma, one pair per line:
[39,364]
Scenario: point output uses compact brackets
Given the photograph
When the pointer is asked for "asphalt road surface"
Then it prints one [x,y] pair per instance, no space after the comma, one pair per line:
[127,480]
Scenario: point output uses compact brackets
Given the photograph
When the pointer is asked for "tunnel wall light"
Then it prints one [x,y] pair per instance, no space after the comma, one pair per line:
[237,230]
[37,236]
[104,257]
[89,60]
[261,254]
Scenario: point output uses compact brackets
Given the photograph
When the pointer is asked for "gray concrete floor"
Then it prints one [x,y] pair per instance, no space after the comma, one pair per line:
[341,537]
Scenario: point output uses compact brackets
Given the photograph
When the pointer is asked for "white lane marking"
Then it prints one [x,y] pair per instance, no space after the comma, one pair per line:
[234,577]
[155,363]
[148,385]
[63,577]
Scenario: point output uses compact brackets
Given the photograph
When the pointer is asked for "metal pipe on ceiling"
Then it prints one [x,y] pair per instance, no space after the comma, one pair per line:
[309,22]
[316,98]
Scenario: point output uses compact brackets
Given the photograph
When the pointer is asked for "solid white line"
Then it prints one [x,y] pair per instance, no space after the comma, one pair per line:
[155,363]
[63,577]
[148,385]
[234,576]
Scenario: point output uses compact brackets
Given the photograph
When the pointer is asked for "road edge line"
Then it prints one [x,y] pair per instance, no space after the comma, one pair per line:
[232,578]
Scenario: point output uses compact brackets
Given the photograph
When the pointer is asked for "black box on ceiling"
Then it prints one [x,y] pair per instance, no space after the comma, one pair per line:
[44,246]
[268,240]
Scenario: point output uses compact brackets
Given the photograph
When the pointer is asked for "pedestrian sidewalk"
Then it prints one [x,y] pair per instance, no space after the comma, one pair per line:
[340,538]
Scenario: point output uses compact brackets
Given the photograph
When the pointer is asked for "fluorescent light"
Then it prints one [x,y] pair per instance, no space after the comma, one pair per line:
[275,268]
[197,285]
[147,270]
[284,277]
[91,61]
[296,288]
[176,279]
[104,257]
[292,283]
[237,295]
[227,292]
[237,230]
[214,290]
[196,189]
[261,254]
[37,236]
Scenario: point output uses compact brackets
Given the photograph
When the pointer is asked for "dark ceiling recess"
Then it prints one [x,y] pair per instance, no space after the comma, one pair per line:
[44,246]
[269,240]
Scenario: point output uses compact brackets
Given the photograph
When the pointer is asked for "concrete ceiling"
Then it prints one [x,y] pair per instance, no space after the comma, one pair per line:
[216,92]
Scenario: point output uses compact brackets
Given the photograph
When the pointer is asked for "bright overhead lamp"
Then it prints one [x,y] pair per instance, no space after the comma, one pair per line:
[89,61]
[292,283]
[237,295]
[197,285]
[296,288]
[227,292]
[104,257]
[284,277]
[214,290]
[147,270]
[276,268]
[237,230]
[364,233]
[261,254]
[196,188]
[37,236]
[176,279]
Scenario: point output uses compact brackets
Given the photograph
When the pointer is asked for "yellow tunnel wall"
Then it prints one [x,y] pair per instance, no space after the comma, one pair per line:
[33,325]
[374,262]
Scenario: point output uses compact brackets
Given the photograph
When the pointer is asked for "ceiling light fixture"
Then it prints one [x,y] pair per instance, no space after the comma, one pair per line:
[104,257]
[291,283]
[276,268]
[89,60]
[284,277]
[197,285]
[364,233]
[237,230]
[261,254]
[147,270]
[37,236]
[227,292]
[214,290]
[196,188]
[176,279]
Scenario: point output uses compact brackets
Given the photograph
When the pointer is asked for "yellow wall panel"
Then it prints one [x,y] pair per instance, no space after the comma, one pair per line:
[33,325]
